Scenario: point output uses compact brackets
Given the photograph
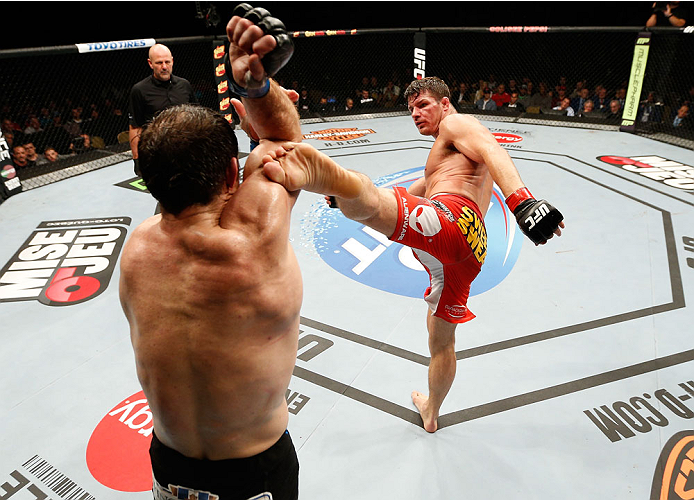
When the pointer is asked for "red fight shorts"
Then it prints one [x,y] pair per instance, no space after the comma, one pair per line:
[448,237]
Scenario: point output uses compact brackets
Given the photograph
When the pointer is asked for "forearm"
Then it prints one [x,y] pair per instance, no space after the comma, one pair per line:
[273,116]
[502,170]
[676,21]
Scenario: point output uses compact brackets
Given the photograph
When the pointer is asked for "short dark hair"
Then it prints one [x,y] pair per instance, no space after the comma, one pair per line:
[432,84]
[184,154]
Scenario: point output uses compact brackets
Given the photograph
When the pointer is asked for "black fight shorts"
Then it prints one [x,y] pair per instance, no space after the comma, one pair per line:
[270,475]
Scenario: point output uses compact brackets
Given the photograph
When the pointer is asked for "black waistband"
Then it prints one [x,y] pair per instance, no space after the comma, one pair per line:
[169,465]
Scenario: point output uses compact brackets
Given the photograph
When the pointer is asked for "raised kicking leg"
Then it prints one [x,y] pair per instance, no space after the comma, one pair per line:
[301,166]
[441,371]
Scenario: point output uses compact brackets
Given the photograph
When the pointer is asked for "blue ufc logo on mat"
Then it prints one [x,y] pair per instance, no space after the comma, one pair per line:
[370,258]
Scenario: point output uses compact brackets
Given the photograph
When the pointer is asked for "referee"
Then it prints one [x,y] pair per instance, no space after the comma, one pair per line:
[155,93]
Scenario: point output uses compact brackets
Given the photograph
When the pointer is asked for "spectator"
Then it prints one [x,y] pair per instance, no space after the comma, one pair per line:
[461,95]
[81,144]
[486,103]
[668,14]
[9,137]
[374,90]
[615,113]
[682,117]
[523,96]
[45,118]
[479,93]
[512,87]
[565,105]
[580,85]
[588,108]
[649,109]
[349,105]
[31,154]
[19,156]
[492,81]
[390,95]
[578,102]
[621,96]
[365,101]
[10,126]
[559,97]
[531,88]
[74,125]
[160,90]
[324,107]
[501,97]
[52,155]
[303,105]
[514,103]
[33,126]
[541,99]
[601,101]
[57,135]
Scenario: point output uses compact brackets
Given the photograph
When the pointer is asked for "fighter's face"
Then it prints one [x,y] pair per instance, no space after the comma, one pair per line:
[427,112]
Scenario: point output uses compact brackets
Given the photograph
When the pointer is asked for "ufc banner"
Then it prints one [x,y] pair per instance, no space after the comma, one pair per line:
[9,182]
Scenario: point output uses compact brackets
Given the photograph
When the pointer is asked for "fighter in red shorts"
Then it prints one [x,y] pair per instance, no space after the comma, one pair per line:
[464,163]
[448,238]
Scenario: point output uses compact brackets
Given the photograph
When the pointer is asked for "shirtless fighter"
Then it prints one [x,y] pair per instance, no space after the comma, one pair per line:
[200,282]
[441,216]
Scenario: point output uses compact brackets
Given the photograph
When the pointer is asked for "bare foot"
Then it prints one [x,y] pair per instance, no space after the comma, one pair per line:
[301,166]
[429,420]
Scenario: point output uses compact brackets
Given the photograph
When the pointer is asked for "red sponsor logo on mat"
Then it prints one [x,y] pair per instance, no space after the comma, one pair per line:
[118,450]
[507,138]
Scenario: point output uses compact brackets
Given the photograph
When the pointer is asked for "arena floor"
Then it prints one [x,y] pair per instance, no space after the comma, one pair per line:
[573,381]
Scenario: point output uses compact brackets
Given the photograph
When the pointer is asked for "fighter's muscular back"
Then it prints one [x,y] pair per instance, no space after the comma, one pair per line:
[215,334]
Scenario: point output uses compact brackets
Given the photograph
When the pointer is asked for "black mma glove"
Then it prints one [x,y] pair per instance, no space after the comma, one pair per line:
[272,61]
[537,219]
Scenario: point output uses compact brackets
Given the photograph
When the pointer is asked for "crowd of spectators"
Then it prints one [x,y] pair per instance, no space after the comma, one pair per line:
[507,97]
[56,131]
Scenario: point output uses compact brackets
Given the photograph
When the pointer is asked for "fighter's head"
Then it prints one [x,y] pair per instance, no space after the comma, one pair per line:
[429,101]
[187,156]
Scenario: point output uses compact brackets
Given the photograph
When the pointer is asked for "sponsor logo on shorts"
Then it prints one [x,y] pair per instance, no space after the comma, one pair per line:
[675,468]
[475,233]
[220,70]
[219,51]
[370,258]
[338,134]
[223,87]
[224,104]
[64,262]
[503,138]
[425,220]
[118,449]
[669,172]
[405,218]
[174,492]
[443,208]
[456,311]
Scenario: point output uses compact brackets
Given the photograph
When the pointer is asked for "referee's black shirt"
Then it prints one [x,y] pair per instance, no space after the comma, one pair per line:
[149,96]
